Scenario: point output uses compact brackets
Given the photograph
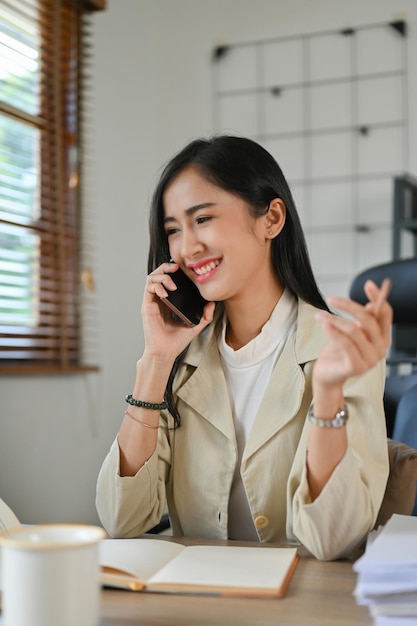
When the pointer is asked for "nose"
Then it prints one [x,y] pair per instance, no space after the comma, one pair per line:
[190,244]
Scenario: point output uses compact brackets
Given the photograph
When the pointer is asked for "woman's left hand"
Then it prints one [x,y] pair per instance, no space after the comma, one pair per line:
[356,343]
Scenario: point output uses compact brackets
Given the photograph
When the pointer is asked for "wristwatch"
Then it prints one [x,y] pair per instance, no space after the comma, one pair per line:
[337,421]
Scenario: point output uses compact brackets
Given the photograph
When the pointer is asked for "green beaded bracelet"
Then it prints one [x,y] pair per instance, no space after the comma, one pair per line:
[154,406]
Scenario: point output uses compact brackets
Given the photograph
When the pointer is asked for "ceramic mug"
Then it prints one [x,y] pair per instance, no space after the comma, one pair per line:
[50,575]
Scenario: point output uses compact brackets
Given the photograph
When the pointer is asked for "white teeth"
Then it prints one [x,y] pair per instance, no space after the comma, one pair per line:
[206,268]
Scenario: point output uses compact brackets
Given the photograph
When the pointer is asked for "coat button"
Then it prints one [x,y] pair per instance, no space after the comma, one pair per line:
[261,522]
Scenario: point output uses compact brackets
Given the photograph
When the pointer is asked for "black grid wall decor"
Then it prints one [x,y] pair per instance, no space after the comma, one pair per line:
[332,107]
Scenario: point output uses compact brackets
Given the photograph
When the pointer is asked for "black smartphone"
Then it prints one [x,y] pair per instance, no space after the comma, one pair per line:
[186,302]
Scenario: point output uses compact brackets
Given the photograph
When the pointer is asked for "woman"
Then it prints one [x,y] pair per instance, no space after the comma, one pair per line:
[275,429]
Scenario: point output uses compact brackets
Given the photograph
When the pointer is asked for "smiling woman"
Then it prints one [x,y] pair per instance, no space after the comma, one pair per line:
[221,246]
[42,91]
[272,425]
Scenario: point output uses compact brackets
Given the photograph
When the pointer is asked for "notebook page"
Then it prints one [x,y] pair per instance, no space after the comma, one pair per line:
[226,566]
[140,558]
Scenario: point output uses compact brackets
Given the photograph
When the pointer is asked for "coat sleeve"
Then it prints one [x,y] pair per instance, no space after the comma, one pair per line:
[131,505]
[342,515]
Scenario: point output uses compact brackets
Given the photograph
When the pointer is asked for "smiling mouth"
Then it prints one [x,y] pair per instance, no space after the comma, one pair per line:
[204,269]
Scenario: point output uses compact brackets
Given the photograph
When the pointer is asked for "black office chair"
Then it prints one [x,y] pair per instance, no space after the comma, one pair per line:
[403,352]
[400,491]
[405,425]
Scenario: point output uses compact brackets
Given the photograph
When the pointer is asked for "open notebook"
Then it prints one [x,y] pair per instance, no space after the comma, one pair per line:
[156,565]
[7,520]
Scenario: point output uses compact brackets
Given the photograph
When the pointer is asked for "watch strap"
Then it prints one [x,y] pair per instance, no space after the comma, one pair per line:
[337,421]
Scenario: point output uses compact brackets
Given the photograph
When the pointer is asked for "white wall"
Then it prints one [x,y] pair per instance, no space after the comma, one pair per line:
[152,63]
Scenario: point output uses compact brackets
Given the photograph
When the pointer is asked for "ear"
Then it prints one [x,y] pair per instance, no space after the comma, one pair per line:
[275,218]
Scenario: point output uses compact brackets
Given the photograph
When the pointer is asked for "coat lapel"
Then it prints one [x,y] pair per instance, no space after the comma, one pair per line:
[285,393]
[206,391]
[281,400]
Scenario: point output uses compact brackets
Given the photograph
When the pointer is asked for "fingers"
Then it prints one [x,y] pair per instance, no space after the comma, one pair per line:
[378,305]
[362,328]
[367,328]
[377,297]
[159,281]
[208,313]
[357,321]
[361,339]
[357,341]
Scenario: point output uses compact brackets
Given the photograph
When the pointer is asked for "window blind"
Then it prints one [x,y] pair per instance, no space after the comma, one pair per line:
[43,54]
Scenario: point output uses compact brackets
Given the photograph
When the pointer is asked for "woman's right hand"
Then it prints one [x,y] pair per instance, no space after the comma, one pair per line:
[164,337]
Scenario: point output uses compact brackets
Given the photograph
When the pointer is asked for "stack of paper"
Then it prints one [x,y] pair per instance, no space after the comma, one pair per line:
[387,573]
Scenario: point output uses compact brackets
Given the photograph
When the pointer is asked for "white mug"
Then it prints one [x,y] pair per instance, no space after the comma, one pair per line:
[50,575]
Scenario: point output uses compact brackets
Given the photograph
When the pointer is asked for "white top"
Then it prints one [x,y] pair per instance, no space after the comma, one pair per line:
[247,372]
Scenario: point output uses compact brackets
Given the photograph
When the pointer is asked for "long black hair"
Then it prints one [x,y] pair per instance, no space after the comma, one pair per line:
[245,169]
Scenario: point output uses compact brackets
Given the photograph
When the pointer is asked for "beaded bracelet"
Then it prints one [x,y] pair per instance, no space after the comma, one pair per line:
[154,406]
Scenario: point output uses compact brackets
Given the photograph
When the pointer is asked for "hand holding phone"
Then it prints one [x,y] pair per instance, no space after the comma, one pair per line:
[186,302]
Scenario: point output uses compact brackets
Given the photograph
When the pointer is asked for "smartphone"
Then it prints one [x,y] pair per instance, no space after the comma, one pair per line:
[186,302]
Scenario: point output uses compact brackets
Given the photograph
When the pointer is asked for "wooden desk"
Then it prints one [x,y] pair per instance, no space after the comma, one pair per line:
[319,594]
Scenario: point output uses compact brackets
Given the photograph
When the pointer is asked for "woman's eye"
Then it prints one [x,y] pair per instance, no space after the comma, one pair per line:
[203,218]
[171,231]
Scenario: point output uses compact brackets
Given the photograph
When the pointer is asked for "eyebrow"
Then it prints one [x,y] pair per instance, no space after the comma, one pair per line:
[191,210]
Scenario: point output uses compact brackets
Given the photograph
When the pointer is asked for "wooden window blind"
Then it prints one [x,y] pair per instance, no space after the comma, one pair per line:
[43,55]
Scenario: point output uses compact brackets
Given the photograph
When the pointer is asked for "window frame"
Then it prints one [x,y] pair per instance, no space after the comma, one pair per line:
[55,343]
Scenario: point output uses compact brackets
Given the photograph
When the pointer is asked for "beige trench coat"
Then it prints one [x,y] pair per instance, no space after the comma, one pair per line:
[193,466]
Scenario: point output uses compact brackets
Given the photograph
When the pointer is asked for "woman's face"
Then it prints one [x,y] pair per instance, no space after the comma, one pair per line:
[215,240]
